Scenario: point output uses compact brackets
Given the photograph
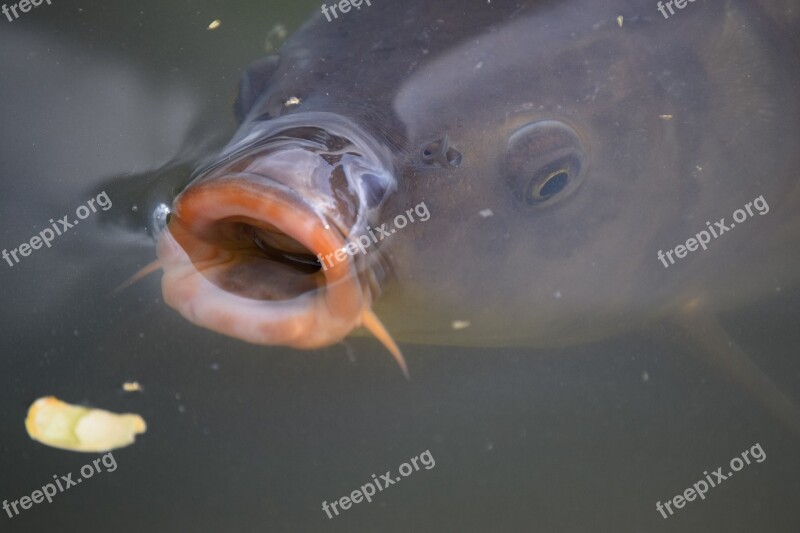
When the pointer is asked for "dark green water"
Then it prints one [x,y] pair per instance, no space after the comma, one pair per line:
[251,439]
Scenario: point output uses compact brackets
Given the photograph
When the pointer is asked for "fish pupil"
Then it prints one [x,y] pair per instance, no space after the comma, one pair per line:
[554,184]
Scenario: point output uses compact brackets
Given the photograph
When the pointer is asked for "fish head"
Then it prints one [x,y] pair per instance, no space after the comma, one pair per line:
[556,149]
[534,150]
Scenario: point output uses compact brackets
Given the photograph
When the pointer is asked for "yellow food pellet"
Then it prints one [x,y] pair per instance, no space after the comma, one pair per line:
[80,429]
[214,25]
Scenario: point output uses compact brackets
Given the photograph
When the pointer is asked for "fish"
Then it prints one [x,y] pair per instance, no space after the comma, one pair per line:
[557,151]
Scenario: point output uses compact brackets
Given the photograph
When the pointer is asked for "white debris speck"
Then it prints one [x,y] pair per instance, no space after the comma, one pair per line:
[131,386]
[215,24]
[557,295]
[460,324]
[278,32]
[620,19]
[479,65]
[665,117]
[486,213]
[292,101]
[645,376]
[275,37]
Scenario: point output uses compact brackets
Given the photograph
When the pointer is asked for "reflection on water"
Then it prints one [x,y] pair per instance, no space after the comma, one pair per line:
[248,438]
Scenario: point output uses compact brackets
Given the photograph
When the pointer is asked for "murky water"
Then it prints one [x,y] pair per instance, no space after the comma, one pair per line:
[247,438]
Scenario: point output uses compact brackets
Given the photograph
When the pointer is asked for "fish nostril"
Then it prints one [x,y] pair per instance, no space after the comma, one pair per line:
[439,152]
[454,157]
[430,152]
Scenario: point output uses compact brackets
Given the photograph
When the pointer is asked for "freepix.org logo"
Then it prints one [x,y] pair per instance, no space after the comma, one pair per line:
[374,235]
[699,489]
[60,484]
[703,238]
[343,6]
[47,235]
[24,6]
[368,490]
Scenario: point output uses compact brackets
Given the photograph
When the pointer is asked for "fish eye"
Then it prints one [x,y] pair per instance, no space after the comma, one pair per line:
[544,162]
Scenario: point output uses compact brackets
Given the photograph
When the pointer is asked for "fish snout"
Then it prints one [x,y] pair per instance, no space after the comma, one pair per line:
[245,246]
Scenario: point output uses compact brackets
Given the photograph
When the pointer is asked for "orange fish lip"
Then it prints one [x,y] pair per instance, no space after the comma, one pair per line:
[200,254]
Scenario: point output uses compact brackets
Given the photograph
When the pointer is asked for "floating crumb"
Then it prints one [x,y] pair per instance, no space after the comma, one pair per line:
[665,117]
[486,213]
[275,37]
[292,101]
[214,25]
[80,429]
[278,32]
[620,19]
[645,376]
[131,386]
[460,324]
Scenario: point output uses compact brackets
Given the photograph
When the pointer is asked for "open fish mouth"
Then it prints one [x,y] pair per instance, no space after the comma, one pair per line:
[243,244]
[241,251]
[240,258]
